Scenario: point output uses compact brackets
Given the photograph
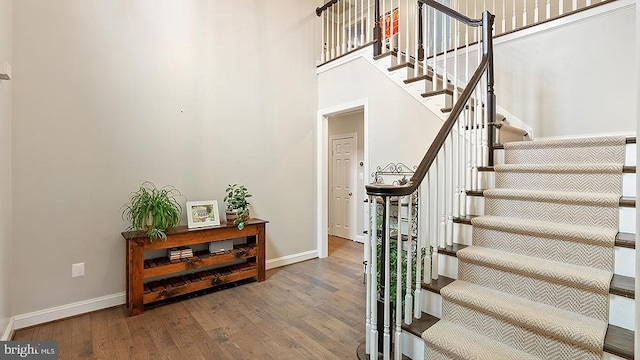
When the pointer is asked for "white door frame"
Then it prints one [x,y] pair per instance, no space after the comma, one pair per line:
[353,182]
[322,166]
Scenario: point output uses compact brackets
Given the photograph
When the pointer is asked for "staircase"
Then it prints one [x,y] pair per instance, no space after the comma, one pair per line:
[530,245]
[549,271]
[516,245]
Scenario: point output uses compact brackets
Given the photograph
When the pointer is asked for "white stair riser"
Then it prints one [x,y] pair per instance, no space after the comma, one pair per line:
[625,262]
[622,312]
[629,185]
[421,86]
[630,155]
[387,62]
[439,101]
[627,220]
[402,74]
[413,347]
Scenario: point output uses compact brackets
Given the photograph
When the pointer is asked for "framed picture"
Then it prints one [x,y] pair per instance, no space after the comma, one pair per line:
[202,213]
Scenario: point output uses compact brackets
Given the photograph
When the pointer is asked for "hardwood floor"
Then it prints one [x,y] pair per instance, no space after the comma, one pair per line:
[310,310]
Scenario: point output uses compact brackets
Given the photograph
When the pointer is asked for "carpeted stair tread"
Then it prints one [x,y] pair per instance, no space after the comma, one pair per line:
[578,245]
[585,209]
[586,234]
[575,198]
[563,325]
[549,151]
[595,178]
[453,341]
[576,276]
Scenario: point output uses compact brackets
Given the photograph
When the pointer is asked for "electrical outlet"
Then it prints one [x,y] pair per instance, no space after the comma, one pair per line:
[77,270]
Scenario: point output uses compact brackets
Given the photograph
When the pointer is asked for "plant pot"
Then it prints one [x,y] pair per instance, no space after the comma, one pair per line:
[232,216]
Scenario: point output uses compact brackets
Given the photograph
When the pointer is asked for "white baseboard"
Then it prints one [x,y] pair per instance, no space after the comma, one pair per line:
[291,259]
[65,311]
[103,302]
[7,333]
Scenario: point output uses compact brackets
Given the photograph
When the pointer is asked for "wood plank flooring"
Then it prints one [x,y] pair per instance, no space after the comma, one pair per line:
[310,310]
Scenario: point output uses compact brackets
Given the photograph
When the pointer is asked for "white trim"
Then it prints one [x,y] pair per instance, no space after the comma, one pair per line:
[65,311]
[581,16]
[364,52]
[360,238]
[322,168]
[291,259]
[7,334]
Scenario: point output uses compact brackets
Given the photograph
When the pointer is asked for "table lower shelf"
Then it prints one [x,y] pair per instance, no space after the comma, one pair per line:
[179,285]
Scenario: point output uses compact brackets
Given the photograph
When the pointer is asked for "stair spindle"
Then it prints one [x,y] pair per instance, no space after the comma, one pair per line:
[408,298]
[423,206]
[386,331]
[397,341]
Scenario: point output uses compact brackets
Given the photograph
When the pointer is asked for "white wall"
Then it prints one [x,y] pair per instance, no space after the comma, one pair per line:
[345,124]
[197,94]
[573,80]
[400,128]
[5,167]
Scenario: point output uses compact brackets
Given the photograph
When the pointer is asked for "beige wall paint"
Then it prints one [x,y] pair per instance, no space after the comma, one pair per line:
[345,124]
[111,93]
[5,167]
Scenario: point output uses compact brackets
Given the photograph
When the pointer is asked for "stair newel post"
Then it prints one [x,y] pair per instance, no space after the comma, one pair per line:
[487,20]
[386,279]
[374,298]
[377,33]
[371,235]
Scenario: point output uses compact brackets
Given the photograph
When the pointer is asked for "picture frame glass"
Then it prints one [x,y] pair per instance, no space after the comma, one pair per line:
[202,213]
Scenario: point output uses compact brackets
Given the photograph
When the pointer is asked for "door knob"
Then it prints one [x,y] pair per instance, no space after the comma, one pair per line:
[350,193]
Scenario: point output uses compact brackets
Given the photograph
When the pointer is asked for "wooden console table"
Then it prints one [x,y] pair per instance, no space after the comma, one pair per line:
[140,292]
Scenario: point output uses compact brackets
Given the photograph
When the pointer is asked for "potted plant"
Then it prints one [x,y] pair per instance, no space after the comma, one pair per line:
[237,205]
[153,210]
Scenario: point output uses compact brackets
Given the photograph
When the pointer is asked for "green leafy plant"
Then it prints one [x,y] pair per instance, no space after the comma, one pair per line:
[236,200]
[153,210]
[393,261]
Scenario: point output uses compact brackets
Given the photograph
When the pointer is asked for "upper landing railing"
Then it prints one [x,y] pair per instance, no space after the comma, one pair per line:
[349,24]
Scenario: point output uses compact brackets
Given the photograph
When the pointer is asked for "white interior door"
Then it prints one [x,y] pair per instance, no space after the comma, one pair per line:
[343,159]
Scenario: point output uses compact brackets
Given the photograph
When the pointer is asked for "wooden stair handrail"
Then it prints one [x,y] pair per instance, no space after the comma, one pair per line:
[485,65]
